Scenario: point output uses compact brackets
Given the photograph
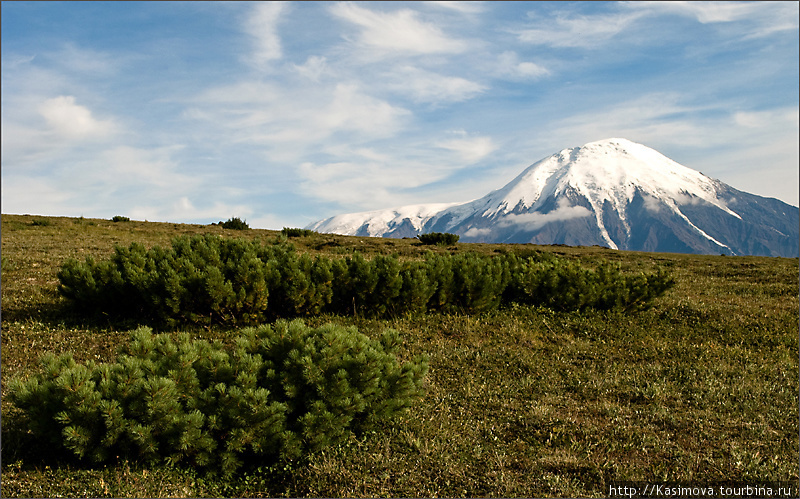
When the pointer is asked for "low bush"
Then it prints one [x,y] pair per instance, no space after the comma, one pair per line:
[235,223]
[208,279]
[562,284]
[279,394]
[119,218]
[439,238]
[204,279]
[291,232]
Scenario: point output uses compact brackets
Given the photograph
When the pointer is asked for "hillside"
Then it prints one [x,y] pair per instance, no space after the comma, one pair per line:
[520,402]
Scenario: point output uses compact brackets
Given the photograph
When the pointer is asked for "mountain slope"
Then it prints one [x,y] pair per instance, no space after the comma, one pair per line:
[613,193]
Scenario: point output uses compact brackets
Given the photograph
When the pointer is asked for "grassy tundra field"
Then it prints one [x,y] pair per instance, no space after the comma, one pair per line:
[522,401]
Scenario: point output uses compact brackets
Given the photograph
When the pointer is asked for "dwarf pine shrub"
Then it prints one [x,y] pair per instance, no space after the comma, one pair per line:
[213,280]
[235,223]
[279,393]
[294,232]
[562,284]
[439,238]
[478,282]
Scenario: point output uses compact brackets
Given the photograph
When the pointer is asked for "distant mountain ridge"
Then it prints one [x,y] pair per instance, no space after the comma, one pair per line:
[614,193]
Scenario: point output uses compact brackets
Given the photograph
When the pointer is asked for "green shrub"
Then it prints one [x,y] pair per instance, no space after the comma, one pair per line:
[235,223]
[562,284]
[203,279]
[119,218]
[280,393]
[417,288]
[209,279]
[478,282]
[439,238]
[297,285]
[290,232]
[354,282]
[41,222]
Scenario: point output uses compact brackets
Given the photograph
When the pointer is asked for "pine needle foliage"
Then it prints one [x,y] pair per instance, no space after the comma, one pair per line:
[213,280]
[439,238]
[295,232]
[280,393]
[564,285]
[235,223]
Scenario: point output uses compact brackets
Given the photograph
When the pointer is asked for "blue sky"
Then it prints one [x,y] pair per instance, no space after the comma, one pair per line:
[286,113]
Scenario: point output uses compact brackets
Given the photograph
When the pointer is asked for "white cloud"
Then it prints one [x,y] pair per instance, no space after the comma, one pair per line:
[757,19]
[397,31]
[424,86]
[73,121]
[132,167]
[126,180]
[352,109]
[753,20]
[184,209]
[578,30]
[470,149]
[368,179]
[262,25]
[469,7]
[292,120]
[25,194]
[766,118]
[355,184]
[533,221]
[652,203]
[475,232]
[766,155]
[73,59]
[509,65]
[654,118]
[314,67]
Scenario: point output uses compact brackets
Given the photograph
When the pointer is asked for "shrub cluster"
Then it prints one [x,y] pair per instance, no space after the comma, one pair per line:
[41,222]
[234,223]
[293,232]
[562,284]
[439,238]
[278,394]
[120,218]
[208,279]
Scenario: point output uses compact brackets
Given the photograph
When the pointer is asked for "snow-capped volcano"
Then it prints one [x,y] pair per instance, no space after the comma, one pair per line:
[614,193]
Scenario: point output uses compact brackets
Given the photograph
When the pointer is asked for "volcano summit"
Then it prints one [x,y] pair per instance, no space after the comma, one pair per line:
[613,193]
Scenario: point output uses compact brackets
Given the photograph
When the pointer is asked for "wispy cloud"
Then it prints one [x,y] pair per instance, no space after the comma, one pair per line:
[183,208]
[509,66]
[296,118]
[468,7]
[314,67]
[74,121]
[652,118]
[533,221]
[262,26]
[359,184]
[757,19]
[399,31]
[470,149]
[426,86]
[576,30]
